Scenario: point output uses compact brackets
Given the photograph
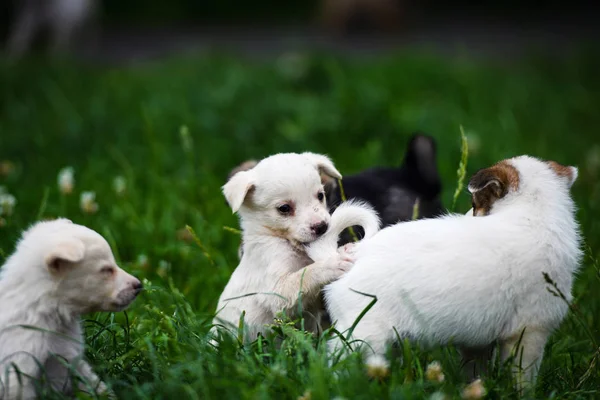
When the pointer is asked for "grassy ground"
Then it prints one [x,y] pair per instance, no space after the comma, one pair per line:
[173,130]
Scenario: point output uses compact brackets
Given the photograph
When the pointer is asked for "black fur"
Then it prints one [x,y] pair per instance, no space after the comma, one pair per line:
[393,191]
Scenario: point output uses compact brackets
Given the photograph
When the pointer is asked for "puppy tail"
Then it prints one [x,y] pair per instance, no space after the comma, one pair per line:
[349,213]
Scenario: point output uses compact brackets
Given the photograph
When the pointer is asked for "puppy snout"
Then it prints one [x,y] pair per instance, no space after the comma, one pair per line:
[320,228]
[137,286]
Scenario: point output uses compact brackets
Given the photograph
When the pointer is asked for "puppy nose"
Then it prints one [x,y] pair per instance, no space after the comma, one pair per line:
[320,228]
[137,286]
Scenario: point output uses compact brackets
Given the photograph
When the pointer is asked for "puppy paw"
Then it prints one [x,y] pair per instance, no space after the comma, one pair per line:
[348,251]
[336,266]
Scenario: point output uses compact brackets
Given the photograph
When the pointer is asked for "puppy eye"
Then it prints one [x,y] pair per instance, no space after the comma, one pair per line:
[284,209]
[108,270]
[320,196]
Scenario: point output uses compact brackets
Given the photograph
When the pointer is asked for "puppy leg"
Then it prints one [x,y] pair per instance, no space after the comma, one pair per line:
[527,358]
[19,384]
[309,281]
[91,380]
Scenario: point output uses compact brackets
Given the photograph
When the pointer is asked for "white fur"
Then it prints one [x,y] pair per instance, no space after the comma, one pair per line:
[275,269]
[469,281]
[349,213]
[59,271]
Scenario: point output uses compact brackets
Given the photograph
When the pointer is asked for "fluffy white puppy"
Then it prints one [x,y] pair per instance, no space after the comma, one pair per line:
[281,205]
[470,281]
[58,271]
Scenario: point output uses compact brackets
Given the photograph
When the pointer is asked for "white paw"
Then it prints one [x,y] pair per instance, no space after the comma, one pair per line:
[348,251]
[337,266]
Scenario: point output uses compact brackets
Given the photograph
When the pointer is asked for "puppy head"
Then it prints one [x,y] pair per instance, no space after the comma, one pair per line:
[283,196]
[79,266]
[493,186]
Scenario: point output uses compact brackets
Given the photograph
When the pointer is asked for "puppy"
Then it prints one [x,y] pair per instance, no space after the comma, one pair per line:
[391,191]
[394,191]
[64,19]
[470,281]
[281,205]
[58,272]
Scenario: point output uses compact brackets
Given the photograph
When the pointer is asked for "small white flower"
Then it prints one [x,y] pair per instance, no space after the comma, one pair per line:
[66,180]
[378,367]
[474,391]
[87,202]
[7,204]
[119,185]
[438,396]
[434,372]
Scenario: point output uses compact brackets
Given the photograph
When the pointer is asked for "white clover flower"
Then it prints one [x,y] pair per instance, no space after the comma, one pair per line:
[87,202]
[434,372]
[438,396]
[378,368]
[474,391]
[119,185]
[7,204]
[66,180]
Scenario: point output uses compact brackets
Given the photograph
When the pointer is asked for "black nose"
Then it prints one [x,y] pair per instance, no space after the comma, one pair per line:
[137,286]
[319,228]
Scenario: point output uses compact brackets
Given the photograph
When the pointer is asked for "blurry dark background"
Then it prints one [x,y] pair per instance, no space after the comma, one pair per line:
[137,29]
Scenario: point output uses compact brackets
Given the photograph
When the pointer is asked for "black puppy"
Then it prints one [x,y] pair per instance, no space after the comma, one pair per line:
[392,191]
[396,193]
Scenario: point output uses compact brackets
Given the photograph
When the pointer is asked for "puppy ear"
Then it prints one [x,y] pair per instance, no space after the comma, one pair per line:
[237,188]
[485,182]
[245,166]
[490,184]
[64,252]
[570,173]
[323,164]
[420,160]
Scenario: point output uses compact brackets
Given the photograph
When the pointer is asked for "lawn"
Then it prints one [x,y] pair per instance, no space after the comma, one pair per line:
[169,132]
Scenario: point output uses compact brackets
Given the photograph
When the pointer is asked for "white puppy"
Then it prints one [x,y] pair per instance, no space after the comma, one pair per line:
[281,204]
[59,271]
[470,281]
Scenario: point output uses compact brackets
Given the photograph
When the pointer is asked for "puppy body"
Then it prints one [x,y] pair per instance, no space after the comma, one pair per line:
[59,271]
[394,191]
[470,281]
[281,205]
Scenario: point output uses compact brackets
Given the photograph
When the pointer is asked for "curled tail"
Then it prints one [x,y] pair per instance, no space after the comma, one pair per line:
[349,213]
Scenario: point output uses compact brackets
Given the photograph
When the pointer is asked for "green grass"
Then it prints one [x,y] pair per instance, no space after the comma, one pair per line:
[174,129]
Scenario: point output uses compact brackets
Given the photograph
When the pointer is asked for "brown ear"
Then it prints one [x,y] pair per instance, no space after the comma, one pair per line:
[491,184]
[569,173]
[64,252]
